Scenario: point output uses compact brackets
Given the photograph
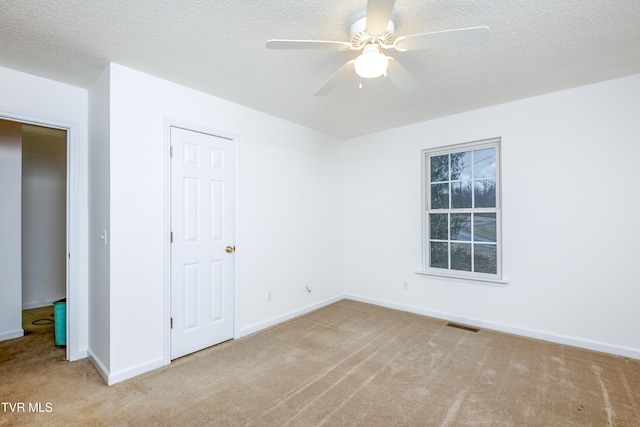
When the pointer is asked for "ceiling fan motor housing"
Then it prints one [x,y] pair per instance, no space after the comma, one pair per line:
[361,37]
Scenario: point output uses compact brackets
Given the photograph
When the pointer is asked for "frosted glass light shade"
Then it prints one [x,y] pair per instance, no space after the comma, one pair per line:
[372,63]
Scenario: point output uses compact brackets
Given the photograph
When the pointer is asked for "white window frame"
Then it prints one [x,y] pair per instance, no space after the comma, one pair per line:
[426,210]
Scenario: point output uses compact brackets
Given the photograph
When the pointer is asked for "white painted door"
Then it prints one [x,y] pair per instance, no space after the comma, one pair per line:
[202,191]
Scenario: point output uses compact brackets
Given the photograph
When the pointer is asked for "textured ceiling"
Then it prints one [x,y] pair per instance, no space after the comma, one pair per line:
[218,47]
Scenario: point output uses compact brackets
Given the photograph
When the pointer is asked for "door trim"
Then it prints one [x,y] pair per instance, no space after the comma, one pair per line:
[168,124]
[73,227]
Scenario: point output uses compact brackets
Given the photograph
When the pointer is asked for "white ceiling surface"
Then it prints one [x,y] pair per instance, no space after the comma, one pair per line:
[218,47]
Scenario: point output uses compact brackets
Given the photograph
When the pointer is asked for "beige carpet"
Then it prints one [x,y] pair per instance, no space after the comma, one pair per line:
[348,364]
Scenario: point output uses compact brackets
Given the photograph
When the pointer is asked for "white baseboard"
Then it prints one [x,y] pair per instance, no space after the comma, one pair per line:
[9,335]
[530,333]
[97,363]
[82,354]
[38,304]
[287,316]
[115,377]
[118,376]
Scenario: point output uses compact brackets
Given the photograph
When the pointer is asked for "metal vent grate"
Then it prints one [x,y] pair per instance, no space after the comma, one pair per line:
[463,327]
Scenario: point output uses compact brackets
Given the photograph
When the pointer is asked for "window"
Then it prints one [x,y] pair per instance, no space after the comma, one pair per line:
[462,211]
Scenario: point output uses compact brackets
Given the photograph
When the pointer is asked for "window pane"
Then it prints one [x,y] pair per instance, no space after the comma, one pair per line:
[485,193]
[439,256]
[485,258]
[484,227]
[438,227]
[461,194]
[461,209]
[461,227]
[485,163]
[440,196]
[461,166]
[440,168]
[461,256]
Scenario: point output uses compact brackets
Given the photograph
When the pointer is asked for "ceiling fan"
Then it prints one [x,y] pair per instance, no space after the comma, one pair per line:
[375,33]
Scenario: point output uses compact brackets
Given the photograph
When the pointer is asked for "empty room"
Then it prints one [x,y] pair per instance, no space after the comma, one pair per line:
[364,212]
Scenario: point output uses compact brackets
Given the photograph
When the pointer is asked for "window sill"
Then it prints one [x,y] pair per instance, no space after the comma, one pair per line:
[480,280]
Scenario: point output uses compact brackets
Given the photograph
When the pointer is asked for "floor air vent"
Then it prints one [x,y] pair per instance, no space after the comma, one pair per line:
[463,327]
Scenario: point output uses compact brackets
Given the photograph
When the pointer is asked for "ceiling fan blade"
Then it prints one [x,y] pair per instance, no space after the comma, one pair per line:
[449,38]
[401,77]
[335,79]
[378,15]
[308,44]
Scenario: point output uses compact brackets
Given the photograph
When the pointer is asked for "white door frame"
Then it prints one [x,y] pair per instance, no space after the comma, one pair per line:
[73,226]
[168,124]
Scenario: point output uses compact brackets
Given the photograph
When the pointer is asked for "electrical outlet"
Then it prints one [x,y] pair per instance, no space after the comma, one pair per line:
[405,285]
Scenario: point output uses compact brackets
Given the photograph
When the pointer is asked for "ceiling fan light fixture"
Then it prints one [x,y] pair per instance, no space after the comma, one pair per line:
[372,63]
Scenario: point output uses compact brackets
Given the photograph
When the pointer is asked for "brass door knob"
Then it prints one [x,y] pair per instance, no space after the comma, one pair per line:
[230,249]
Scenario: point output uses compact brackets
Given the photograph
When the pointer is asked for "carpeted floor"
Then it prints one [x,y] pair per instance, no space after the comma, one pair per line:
[348,364]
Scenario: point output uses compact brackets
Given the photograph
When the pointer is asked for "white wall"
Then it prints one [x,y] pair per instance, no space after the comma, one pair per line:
[568,158]
[290,214]
[30,98]
[99,292]
[10,226]
[570,223]
[44,216]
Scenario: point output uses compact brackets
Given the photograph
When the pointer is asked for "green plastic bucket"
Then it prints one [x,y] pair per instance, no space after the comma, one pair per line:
[60,321]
